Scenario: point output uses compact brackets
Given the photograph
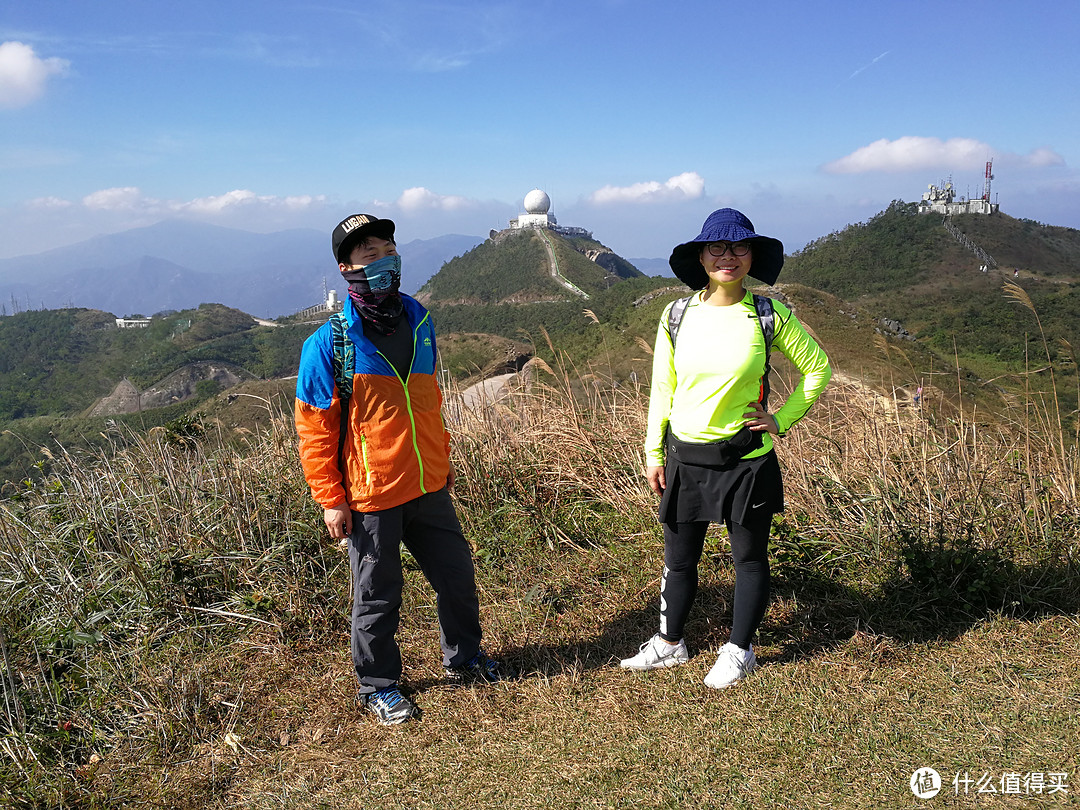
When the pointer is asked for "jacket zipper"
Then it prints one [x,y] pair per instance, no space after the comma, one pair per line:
[408,399]
[364,457]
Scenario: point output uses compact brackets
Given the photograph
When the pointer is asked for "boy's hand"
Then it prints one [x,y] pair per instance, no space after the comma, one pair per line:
[338,520]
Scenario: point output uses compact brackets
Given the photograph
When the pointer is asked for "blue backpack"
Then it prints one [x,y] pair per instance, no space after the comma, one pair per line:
[766,320]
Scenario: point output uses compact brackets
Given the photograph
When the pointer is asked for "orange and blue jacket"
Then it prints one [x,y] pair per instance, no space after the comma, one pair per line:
[397,447]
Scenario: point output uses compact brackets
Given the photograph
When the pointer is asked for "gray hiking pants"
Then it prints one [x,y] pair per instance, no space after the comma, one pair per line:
[429,528]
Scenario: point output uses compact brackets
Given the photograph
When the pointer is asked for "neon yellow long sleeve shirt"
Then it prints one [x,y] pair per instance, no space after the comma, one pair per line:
[702,386]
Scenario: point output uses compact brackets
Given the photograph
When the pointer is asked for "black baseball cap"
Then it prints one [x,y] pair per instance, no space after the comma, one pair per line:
[354,228]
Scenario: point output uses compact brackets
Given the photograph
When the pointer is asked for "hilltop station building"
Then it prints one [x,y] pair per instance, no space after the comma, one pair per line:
[538,215]
[942,199]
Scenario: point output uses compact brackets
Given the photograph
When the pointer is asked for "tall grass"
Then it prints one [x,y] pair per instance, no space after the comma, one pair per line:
[127,564]
[554,446]
[137,584]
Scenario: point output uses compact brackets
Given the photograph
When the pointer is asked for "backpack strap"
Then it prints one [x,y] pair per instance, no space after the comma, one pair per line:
[344,355]
[766,316]
[344,363]
[675,316]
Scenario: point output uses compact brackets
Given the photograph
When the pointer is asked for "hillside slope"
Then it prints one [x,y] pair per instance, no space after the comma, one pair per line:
[60,361]
[909,268]
[530,265]
[58,368]
[899,249]
[175,625]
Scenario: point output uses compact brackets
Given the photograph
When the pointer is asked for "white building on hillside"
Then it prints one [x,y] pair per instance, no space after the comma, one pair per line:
[538,215]
[942,199]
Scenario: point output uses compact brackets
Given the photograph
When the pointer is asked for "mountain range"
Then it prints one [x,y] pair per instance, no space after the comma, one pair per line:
[903,297]
[176,265]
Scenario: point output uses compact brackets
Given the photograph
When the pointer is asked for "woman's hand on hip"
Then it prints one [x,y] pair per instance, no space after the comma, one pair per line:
[758,419]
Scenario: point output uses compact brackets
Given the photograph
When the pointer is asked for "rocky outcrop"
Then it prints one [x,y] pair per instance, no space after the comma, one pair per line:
[612,263]
[888,326]
[123,399]
[179,386]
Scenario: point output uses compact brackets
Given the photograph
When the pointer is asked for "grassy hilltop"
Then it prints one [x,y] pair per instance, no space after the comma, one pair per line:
[514,267]
[906,266]
[174,621]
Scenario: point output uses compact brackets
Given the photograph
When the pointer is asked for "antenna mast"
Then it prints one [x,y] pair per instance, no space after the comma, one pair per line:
[989,177]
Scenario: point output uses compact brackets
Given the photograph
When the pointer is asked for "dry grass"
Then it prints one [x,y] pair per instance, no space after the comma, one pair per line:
[174,631]
[843,729]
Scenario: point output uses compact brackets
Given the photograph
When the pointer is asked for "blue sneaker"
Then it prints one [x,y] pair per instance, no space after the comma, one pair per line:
[478,669]
[389,705]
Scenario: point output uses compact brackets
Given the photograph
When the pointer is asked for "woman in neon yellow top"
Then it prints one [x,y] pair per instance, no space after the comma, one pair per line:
[709,441]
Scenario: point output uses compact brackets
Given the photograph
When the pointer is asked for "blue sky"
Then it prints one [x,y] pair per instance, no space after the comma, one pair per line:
[637,118]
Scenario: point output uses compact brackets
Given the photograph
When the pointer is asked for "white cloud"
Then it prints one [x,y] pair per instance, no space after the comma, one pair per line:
[128,198]
[419,199]
[243,198]
[911,153]
[23,74]
[914,153]
[48,203]
[1041,158]
[873,62]
[132,199]
[302,201]
[49,222]
[685,186]
[214,205]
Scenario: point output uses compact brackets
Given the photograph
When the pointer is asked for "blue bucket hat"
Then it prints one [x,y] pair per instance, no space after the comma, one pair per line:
[727,225]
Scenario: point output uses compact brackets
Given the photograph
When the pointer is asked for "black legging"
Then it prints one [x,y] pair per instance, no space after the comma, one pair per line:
[683,544]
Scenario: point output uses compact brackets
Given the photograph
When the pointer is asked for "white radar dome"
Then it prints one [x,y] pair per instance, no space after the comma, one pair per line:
[537,202]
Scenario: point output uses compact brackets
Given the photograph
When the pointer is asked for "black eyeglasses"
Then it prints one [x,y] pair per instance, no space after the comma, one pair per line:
[718,249]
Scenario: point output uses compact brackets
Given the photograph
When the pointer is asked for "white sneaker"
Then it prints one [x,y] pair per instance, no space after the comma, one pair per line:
[733,664]
[657,654]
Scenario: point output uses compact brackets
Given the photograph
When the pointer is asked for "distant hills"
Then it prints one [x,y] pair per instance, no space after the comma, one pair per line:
[176,265]
[898,301]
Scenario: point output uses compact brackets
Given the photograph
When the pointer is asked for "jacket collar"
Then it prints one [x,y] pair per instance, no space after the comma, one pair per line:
[413,314]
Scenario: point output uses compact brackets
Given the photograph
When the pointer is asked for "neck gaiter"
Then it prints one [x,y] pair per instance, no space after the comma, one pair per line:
[374,290]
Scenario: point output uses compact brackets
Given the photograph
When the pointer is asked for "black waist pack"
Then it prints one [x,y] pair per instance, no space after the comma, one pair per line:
[721,453]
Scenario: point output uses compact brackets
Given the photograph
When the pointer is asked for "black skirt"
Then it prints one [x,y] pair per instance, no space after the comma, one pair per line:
[732,492]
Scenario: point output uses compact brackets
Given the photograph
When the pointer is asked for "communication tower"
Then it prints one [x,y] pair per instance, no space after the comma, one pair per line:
[989,177]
